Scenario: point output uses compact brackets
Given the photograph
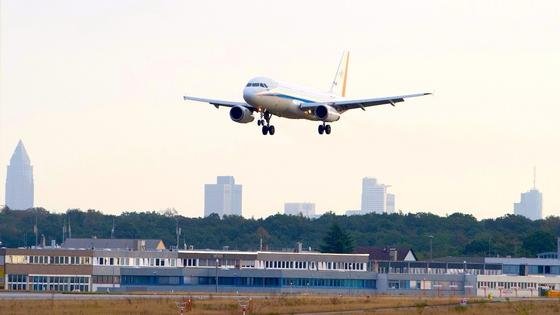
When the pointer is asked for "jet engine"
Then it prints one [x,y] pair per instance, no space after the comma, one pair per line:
[241,114]
[326,113]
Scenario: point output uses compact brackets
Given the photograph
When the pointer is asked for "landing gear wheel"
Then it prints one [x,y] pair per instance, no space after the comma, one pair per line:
[321,129]
[328,129]
[264,130]
[259,122]
[271,130]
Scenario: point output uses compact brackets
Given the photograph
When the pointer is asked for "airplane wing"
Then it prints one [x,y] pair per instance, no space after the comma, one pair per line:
[346,104]
[218,103]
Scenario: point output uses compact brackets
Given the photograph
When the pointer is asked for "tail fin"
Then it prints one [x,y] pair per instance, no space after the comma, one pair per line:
[338,85]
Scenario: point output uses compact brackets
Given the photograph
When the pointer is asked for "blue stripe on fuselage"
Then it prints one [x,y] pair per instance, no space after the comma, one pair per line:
[290,97]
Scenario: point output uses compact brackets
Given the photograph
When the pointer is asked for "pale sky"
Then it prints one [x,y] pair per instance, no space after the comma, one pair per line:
[94,89]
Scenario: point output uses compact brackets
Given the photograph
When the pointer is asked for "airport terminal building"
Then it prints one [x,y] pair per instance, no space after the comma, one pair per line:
[151,268]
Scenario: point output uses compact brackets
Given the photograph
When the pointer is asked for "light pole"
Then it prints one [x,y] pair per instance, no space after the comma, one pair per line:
[349,281]
[217,262]
[431,247]
[113,277]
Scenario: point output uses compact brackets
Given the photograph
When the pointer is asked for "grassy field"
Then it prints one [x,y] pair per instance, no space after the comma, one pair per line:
[283,305]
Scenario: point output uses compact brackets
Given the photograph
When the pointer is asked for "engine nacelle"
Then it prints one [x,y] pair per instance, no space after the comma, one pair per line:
[326,113]
[241,114]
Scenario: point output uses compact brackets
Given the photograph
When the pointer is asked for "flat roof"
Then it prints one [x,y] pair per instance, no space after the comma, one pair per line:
[234,252]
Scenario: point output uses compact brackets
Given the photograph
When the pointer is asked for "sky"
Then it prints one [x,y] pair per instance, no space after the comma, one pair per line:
[94,89]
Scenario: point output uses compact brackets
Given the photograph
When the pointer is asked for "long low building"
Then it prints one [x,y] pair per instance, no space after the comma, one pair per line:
[137,269]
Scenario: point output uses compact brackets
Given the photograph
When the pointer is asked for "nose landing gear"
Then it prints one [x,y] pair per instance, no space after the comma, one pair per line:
[268,128]
[324,128]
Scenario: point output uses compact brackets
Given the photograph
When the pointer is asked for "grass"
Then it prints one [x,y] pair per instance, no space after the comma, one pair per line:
[281,304]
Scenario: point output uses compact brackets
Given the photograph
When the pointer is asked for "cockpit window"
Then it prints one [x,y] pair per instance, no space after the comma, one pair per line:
[257,85]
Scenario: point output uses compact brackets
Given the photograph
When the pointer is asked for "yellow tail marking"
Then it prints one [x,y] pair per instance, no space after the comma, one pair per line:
[345,75]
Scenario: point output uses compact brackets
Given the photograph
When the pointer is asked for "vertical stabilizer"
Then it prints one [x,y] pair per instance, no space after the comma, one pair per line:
[338,85]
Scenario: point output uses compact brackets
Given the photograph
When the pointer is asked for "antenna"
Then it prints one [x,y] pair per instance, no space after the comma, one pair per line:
[177,232]
[63,229]
[113,229]
[534,177]
[36,231]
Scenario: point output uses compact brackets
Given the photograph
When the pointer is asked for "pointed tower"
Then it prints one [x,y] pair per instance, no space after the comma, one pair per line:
[19,180]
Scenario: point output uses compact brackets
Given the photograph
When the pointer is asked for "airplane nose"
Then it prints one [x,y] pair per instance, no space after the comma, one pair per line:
[248,95]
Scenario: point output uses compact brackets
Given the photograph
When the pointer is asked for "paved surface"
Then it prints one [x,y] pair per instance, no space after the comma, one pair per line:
[179,295]
[61,296]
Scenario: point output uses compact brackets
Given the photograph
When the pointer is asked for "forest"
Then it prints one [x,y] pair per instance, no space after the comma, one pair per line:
[456,234]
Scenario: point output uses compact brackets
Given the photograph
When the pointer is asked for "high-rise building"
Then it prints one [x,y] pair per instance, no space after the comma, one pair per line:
[223,198]
[374,196]
[306,209]
[530,205]
[19,180]
[390,203]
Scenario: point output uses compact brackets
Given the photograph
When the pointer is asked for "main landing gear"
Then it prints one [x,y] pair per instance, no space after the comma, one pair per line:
[324,128]
[268,128]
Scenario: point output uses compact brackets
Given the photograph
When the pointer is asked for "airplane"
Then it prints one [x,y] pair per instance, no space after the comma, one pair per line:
[268,98]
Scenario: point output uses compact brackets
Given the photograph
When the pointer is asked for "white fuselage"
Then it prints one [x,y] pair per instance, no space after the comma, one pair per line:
[282,99]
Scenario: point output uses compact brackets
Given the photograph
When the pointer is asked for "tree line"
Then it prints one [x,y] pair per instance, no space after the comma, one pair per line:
[452,235]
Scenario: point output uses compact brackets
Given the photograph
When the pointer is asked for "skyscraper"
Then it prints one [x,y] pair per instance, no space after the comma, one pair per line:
[19,180]
[390,203]
[374,196]
[222,198]
[305,209]
[530,205]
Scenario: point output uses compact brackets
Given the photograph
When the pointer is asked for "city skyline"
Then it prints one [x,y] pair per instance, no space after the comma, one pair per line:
[225,197]
[100,106]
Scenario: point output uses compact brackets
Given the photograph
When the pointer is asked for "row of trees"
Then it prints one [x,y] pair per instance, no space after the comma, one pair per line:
[453,235]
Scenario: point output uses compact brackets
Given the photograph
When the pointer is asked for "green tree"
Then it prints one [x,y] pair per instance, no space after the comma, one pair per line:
[453,234]
[337,240]
[538,242]
[476,247]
